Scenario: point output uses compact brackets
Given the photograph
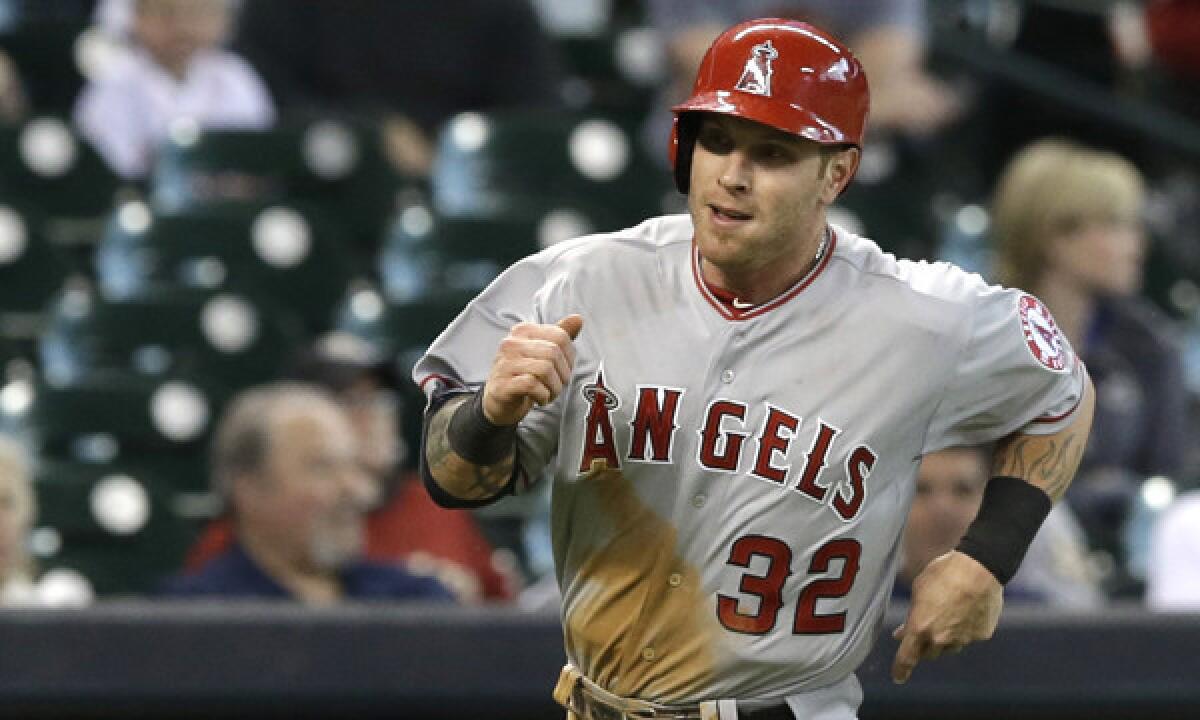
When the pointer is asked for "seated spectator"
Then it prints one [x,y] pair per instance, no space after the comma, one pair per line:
[286,463]
[1067,228]
[174,70]
[950,486]
[1173,569]
[403,524]
[17,510]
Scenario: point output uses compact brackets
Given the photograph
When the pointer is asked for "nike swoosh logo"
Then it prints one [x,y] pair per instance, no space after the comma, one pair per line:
[741,305]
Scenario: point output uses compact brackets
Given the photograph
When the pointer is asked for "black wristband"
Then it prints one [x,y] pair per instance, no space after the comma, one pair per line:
[1009,517]
[475,438]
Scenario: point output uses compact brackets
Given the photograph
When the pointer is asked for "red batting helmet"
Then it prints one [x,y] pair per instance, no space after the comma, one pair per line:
[783,73]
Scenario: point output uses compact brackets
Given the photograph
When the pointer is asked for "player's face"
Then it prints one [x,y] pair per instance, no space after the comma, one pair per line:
[309,499]
[950,487]
[1101,257]
[757,197]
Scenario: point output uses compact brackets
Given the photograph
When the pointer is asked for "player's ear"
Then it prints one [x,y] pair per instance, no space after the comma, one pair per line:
[840,166]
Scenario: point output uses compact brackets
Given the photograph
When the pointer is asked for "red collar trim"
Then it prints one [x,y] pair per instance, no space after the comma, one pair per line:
[724,307]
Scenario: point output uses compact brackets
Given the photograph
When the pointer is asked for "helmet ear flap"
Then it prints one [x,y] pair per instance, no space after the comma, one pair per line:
[683,143]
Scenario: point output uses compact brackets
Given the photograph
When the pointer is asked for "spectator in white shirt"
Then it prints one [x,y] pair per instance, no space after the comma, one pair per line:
[1173,570]
[175,69]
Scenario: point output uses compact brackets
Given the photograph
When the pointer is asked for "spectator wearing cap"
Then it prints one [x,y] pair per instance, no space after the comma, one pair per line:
[403,524]
[285,462]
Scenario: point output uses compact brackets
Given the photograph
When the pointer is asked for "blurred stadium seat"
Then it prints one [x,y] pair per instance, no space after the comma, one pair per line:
[46,165]
[330,165]
[116,526]
[32,271]
[614,71]
[114,416]
[426,253]
[230,337]
[296,258]
[534,164]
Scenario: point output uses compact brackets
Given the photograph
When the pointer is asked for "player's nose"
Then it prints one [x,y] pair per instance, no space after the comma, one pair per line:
[735,174]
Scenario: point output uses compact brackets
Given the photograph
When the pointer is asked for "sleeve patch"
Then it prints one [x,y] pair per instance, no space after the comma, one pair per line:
[1042,336]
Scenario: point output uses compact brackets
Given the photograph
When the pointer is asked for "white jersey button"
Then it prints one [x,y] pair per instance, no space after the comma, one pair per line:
[648,654]
[675,580]
[727,377]
[699,500]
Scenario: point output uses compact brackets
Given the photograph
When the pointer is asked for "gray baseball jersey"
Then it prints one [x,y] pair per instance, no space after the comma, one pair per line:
[730,483]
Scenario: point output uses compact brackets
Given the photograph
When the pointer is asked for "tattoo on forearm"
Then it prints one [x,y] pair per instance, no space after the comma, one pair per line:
[458,477]
[1048,462]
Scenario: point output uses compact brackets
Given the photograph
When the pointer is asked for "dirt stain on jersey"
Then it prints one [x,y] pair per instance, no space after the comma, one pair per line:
[640,624]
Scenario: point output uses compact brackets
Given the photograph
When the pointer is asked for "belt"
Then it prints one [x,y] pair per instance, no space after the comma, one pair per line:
[589,701]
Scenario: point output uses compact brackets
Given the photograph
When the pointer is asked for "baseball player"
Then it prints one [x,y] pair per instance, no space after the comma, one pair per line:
[732,404]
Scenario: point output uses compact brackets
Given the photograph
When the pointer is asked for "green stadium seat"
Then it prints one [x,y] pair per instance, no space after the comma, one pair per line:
[230,337]
[113,416]
[529,164]
[425,253]
[616,71]
[32,272]
[116,526]
[334,166]
[292,257]
[45,164]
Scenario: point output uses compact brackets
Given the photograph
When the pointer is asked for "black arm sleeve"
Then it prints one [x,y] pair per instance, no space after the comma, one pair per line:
[436,492]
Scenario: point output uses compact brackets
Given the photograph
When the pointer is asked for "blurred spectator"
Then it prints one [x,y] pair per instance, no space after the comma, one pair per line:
[404,524]
[411,64]
[1067,229]
[17,510]
[950,486]
[285,462]
[1173,570]
[174,70]
[888,36]
[13,103]
[1173,33]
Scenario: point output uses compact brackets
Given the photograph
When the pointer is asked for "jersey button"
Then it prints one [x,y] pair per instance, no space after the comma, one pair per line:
[699,500]
[649,654]
[675,580]
[727,377]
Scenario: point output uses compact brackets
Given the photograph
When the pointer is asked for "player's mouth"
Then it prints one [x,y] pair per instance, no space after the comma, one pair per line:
[728,216]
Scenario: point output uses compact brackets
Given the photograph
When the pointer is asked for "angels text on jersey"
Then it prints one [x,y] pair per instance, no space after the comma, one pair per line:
[772,452]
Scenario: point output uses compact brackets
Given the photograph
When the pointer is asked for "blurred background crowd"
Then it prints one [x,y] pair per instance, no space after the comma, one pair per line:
[228,228]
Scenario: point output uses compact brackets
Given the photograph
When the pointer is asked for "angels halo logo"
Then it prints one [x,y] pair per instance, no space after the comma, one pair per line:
[1042,336]
[756,76]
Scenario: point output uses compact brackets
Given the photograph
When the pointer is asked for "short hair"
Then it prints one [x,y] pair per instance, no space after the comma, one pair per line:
[15,463]
[243,434]
[1054,186]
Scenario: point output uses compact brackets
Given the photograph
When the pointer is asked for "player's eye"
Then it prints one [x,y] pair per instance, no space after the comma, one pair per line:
[715,140]
[773,153]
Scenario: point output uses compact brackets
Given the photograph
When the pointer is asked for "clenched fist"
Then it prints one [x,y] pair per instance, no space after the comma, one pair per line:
[532,366]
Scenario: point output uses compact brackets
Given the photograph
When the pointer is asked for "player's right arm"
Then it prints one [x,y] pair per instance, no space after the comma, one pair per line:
[470,441]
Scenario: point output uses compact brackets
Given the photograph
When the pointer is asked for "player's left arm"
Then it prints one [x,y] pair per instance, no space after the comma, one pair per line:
[958,597]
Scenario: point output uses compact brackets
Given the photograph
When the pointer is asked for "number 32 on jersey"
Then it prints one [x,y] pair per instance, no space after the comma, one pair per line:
[768,587]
